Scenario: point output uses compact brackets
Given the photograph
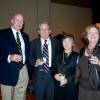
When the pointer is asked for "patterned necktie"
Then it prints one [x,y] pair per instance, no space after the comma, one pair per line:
[19,49]
[46,56]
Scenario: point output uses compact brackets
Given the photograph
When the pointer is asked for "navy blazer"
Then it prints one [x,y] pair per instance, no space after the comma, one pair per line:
[36,53]
[9,72]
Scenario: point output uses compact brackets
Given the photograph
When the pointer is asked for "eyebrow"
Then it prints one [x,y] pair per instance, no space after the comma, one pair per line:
[19,20]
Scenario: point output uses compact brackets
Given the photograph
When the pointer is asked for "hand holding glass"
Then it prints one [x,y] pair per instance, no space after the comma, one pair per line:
[62,76]
[40,61]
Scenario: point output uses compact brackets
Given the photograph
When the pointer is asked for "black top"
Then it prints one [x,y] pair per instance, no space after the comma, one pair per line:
[67,65]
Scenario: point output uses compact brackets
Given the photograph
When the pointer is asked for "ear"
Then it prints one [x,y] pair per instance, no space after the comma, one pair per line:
[49,31]
[11,20]
[39,31]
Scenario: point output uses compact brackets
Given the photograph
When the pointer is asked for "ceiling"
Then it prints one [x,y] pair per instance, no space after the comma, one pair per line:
[82,3]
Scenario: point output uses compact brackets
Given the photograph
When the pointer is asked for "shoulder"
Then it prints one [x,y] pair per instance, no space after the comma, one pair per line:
[5,30]
[55,41]
[96,51]
[25,36]
[35,42]
[24,33]
[98,45]
[4,33]
[76,54]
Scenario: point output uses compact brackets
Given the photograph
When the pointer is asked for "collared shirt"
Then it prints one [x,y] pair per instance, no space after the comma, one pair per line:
[22,42]
[49,48]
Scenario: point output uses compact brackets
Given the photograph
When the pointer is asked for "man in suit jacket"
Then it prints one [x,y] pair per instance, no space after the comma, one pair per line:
[44,82]
[13,75]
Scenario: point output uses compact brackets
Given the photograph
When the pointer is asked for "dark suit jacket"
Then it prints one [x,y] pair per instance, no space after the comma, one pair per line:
[9,72]
[35,52]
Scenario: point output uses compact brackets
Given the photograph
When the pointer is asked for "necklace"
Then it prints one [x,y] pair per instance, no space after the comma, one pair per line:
[65,55]
[89,51]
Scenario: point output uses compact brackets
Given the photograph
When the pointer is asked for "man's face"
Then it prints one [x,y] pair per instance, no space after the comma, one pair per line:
[17,22]
[44,31]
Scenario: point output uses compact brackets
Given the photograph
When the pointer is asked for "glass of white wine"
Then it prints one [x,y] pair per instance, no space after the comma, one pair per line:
[62,77]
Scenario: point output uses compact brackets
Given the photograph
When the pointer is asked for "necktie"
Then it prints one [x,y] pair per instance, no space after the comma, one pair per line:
[19,49]
[46,56]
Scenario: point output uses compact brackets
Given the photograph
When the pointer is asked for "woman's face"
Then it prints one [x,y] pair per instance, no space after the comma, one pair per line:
[68,43]
[93,35]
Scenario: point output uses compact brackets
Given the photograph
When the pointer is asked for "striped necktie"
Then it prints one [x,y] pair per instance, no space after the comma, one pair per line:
[19,49]
[46,56]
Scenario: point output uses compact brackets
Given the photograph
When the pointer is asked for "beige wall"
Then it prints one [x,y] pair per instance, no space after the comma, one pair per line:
[61,17]
[9,7]
[70,19]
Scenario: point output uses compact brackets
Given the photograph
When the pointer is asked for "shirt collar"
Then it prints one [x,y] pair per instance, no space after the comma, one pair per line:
[14,31]
[42,40]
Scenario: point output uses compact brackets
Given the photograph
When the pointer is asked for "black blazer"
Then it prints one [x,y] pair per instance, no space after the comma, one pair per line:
[67,65]
[35,52]
[9,72]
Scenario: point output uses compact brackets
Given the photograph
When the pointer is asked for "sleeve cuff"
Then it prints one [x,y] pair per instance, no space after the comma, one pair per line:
[8,59]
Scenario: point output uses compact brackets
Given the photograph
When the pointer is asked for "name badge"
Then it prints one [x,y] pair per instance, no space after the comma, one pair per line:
[44,59]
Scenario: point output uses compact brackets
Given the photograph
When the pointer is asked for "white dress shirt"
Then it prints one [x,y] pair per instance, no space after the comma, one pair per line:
[49,48]
[22,43]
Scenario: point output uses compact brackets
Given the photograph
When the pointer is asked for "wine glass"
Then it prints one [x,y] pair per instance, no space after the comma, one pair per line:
[62,76]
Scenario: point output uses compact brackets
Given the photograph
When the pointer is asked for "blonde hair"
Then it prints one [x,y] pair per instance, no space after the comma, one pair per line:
[85,33]
[44,23]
